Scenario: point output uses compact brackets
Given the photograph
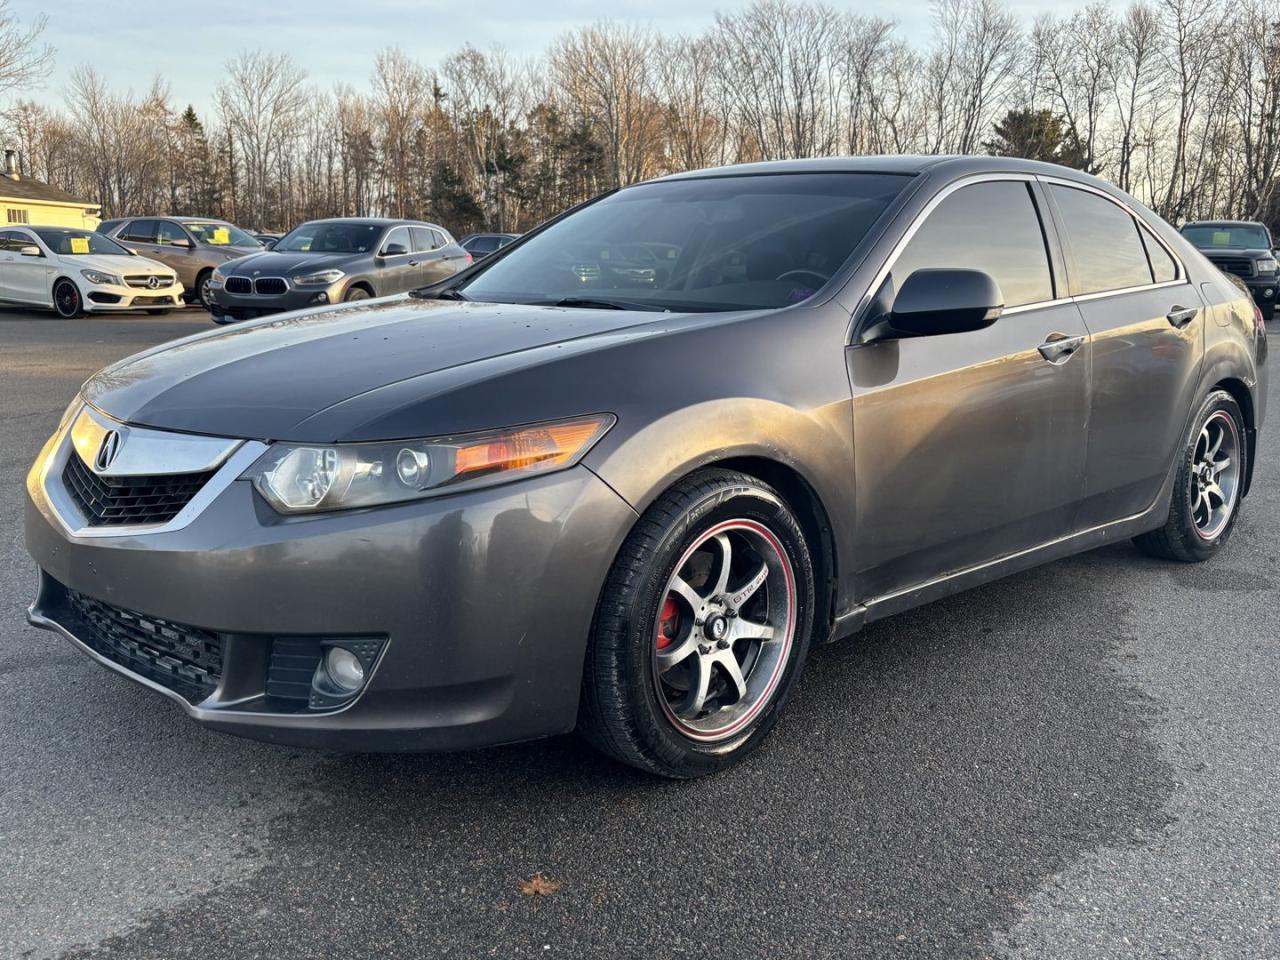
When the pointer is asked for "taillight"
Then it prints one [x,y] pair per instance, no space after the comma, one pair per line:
[1259,324]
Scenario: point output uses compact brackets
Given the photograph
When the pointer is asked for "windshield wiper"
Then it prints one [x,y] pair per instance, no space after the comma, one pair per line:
[426,293]
[599,303]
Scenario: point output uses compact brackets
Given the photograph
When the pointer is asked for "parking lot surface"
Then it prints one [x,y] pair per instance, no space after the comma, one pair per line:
[1080,761]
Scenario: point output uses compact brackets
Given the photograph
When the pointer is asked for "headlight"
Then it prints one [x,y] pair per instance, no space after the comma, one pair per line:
[218,276]
[105,279]
[305,478]
[324,276]
[1266,266]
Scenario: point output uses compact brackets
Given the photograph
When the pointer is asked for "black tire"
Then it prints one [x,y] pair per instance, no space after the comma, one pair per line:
[622,711]
[355,293]
[203,295]
[1184,537]
[67,303]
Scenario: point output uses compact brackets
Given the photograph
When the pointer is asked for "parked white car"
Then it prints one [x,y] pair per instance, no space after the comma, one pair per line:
[78,271]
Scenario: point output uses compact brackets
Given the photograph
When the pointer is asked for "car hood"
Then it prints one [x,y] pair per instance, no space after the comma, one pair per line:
[268,263]
[117,264]
[277,378]
[1235,252]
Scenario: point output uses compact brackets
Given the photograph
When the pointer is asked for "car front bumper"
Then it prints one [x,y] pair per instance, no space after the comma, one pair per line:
[482,603]
[246,306]
[108,298]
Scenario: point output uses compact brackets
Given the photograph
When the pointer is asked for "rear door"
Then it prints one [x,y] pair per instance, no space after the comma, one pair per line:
[1147,326]
[970,446]
[140,237]
[429,254]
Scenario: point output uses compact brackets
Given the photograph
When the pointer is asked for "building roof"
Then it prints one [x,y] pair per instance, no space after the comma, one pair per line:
[27,188]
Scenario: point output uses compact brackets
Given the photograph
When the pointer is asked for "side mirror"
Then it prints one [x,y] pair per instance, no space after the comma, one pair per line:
[394,250]
[269,244]
[938,301]
[30,250]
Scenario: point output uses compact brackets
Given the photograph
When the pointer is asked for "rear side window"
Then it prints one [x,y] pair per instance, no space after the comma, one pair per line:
[1106,250]
[142,230]
[1163,266]
[992,227]
[442,239]
[422,239]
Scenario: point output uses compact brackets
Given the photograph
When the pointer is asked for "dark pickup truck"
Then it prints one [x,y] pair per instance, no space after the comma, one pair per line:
[1243,248]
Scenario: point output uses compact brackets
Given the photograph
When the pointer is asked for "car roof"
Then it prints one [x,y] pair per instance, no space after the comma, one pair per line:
[378,221]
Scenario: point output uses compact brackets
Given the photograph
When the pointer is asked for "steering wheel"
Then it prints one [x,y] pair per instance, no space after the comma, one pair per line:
[822,277]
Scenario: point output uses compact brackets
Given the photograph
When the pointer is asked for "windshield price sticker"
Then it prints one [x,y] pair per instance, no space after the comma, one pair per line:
[221,236]
[79,244]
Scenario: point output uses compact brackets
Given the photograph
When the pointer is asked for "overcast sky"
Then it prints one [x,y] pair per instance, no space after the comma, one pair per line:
[187,41]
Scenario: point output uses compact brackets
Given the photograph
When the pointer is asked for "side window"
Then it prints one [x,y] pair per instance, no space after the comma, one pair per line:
[143,231]
[987,226]
[1163,266]
[1106,251]
[422,240]
[484,245]
[399,235]
[168,234]
[11,241]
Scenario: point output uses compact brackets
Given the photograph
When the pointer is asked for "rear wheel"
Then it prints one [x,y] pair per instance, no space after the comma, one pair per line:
[66,299]
[701,630]
[1206,492]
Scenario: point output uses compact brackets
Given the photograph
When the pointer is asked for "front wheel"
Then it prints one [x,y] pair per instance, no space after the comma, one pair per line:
[66,299]
[356,293]
[701,630]
[204,290]
[1208,487]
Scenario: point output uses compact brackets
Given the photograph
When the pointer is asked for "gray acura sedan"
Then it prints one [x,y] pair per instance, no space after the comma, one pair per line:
[620,475]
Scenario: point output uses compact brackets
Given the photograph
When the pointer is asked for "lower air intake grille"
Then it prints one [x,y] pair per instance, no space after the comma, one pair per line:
[117,501]
[186,660]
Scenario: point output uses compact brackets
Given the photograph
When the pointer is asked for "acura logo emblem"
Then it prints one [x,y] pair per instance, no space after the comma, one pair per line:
[153,282]
[108,450]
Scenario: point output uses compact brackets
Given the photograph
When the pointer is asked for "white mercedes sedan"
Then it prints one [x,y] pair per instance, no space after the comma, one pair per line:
[78,271]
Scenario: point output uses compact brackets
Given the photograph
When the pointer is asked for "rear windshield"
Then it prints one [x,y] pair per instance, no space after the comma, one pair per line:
[220,234]
[328,237]
[720,243]
[1238,237]
[71,243]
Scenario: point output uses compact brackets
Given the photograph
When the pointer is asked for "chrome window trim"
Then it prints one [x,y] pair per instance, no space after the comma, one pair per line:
[936,199]
[239,456]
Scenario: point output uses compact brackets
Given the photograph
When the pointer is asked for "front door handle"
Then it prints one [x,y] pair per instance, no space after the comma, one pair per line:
[1181,316]
[1058,348]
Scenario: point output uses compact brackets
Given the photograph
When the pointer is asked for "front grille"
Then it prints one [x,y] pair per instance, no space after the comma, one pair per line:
[269,286]
[116,501]
[1240,266]
[238,285]
[186,660]
[144,280]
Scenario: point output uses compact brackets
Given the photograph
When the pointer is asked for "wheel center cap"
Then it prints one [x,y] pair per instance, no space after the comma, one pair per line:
[717,627]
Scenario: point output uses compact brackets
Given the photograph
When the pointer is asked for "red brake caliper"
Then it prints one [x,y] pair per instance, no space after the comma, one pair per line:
[668,621]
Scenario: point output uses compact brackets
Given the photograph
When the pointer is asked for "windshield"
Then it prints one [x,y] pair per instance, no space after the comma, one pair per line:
[1237,237]
[220,234]
[331,237]
[75,243]
[718,243]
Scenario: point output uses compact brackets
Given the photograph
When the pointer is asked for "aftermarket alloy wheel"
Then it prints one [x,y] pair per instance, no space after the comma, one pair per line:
[702,628]
[1208,487]
[66,299]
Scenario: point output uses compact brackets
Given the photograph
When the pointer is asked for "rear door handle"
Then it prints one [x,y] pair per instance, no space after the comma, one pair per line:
[1058,348]
[1181,316]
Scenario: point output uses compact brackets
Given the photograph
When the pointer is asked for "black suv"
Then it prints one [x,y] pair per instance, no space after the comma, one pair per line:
[1243,248]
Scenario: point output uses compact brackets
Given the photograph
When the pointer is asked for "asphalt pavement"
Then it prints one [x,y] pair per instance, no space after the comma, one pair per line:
[1079,761]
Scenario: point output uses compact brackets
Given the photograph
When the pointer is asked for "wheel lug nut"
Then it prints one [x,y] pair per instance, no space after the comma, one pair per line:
[704,648]
[723,644]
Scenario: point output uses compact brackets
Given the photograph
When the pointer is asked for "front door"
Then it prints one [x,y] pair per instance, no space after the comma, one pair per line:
[24,279]
[397,263]
[970,447]
[175,249]
[1147,326]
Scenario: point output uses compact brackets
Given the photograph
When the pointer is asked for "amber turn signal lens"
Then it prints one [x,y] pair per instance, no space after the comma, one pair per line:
[550,444]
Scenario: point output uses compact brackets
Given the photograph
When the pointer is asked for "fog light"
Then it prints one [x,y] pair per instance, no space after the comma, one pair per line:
[344,669]
[320,298]
[1268,293]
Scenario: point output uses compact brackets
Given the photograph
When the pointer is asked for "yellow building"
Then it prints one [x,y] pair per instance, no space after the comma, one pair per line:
[25,200]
